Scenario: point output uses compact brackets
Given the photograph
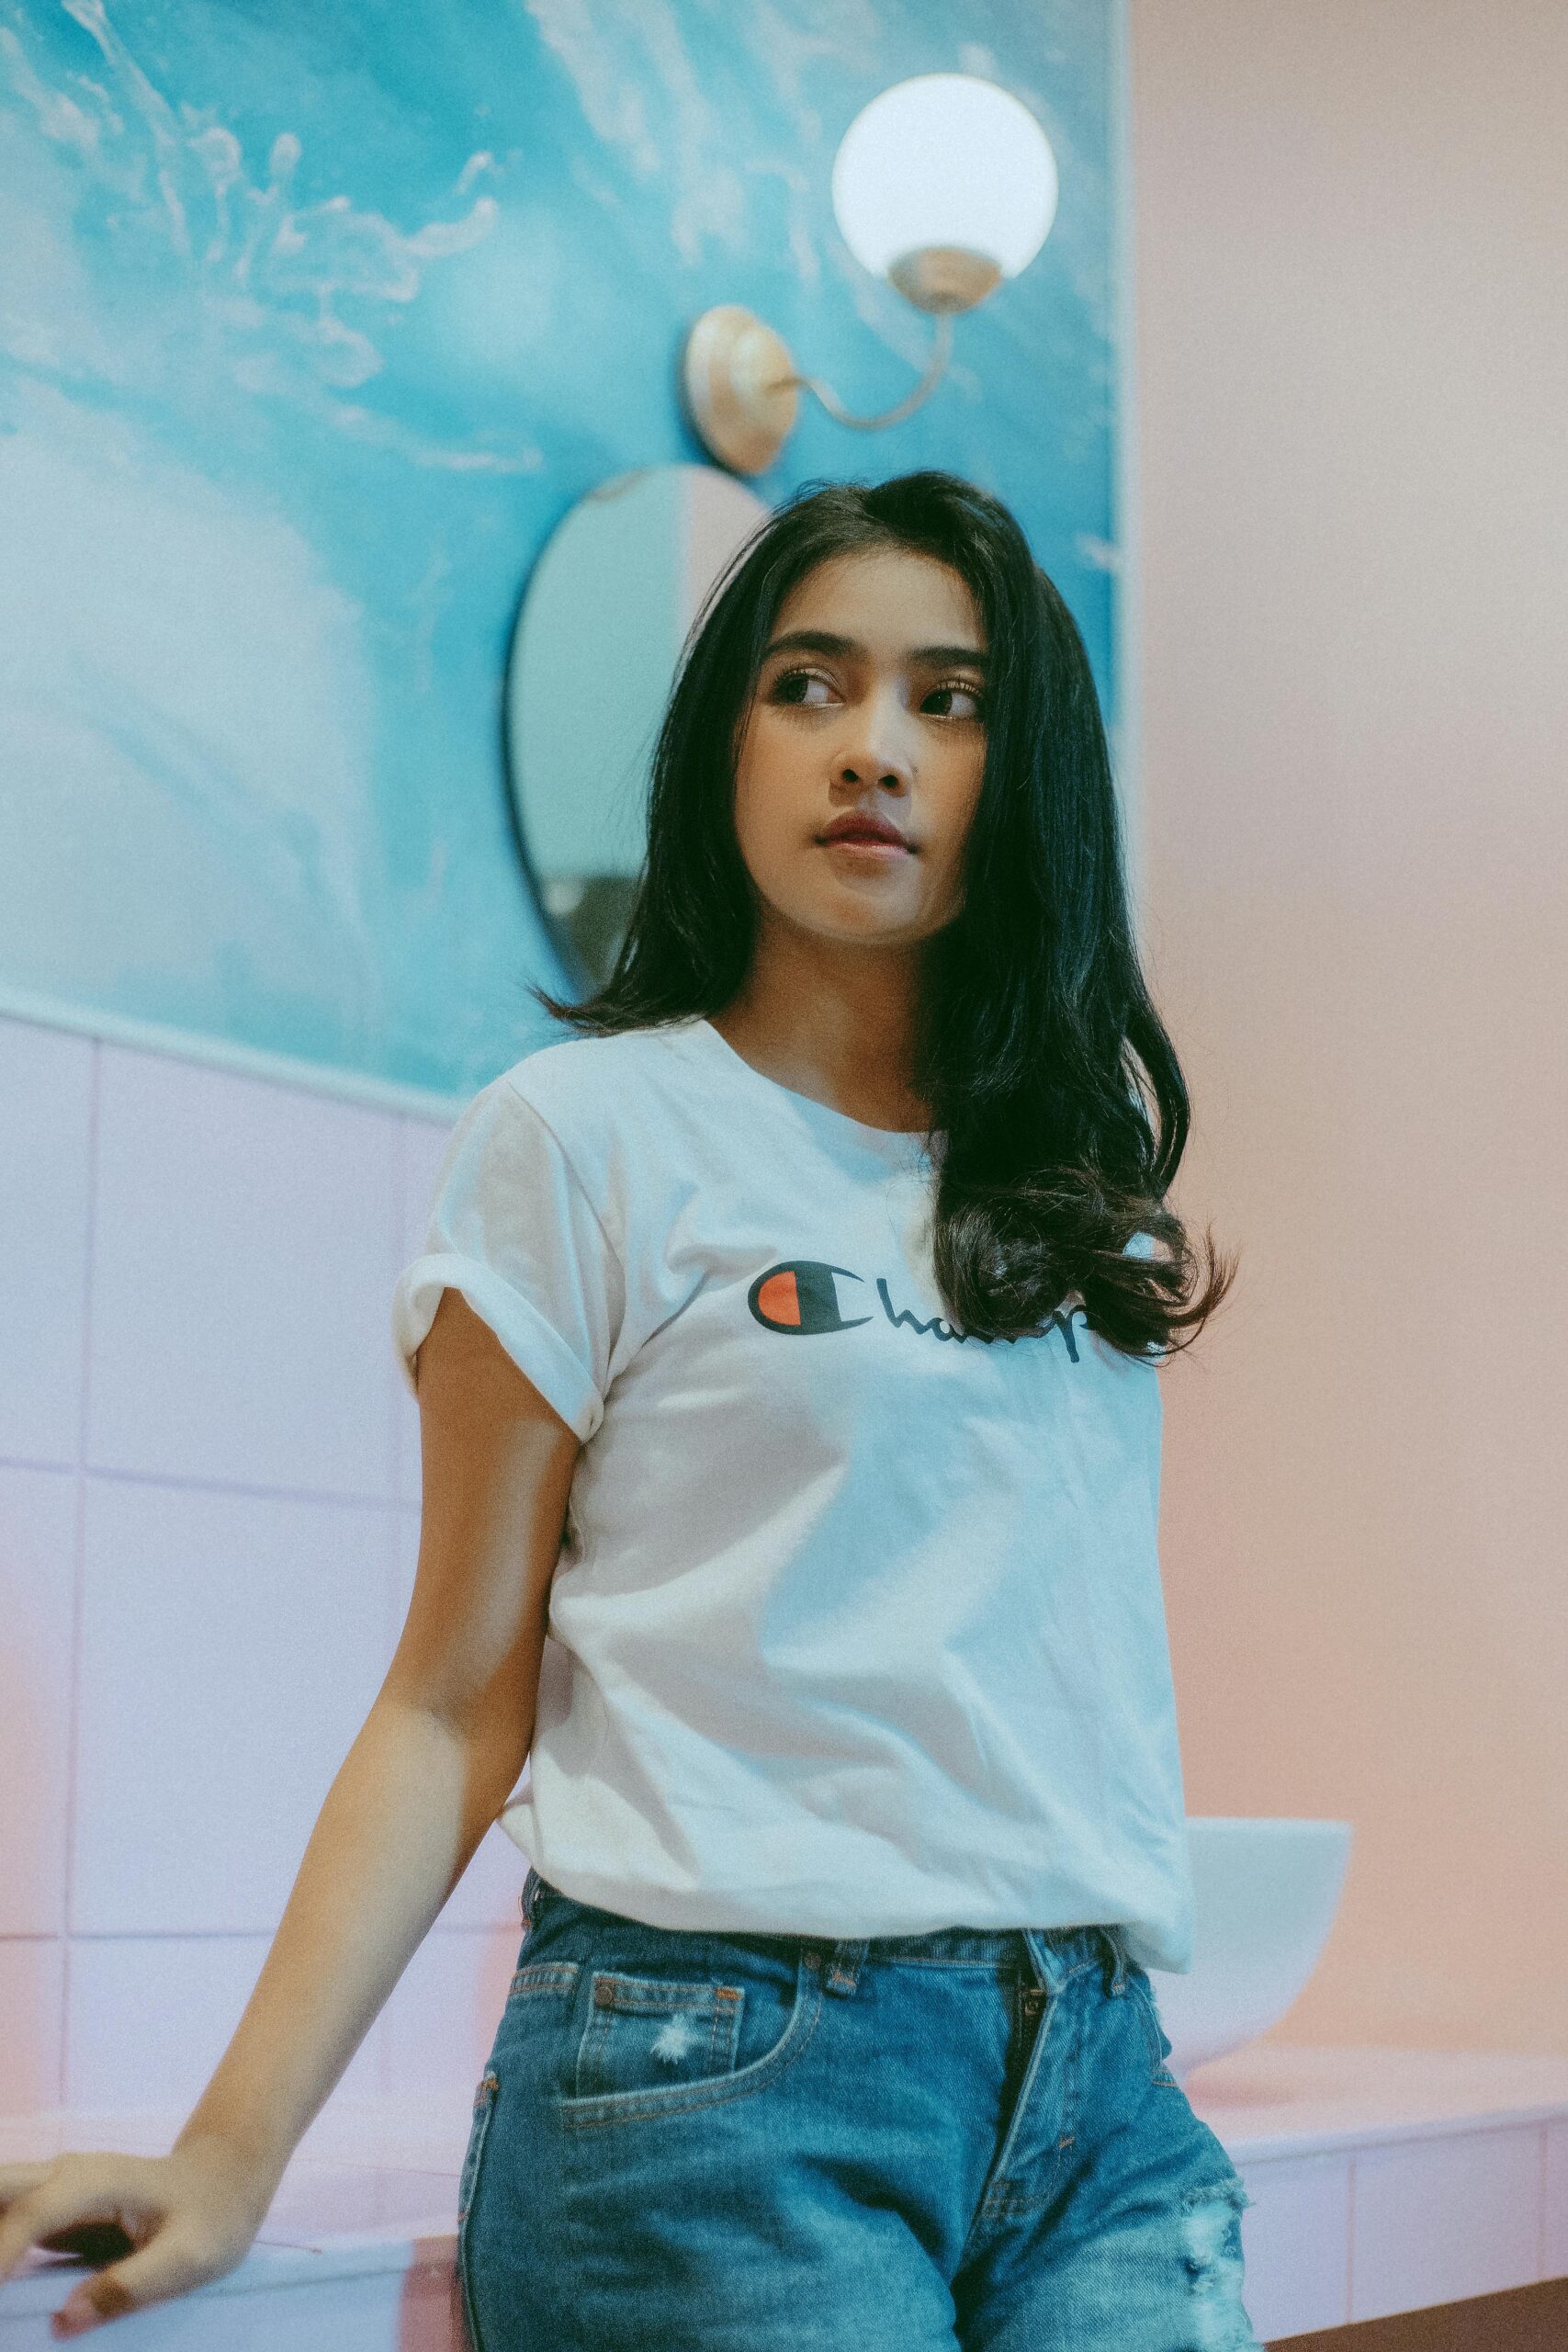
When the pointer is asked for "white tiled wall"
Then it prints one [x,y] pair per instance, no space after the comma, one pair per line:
[208,1528]
[1339,2236]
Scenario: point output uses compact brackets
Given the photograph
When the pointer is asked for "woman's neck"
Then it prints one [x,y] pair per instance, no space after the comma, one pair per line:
[837,1051]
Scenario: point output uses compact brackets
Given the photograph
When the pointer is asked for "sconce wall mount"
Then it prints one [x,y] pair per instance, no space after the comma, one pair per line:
[944,185]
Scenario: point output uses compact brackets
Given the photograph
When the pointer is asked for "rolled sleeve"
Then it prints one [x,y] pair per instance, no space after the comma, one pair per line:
[512,1227]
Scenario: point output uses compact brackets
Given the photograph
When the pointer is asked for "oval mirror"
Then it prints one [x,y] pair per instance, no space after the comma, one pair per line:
[604,619]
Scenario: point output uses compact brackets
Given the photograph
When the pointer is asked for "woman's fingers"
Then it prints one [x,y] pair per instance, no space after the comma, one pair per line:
[152,2205]
[40,2198]
[15,2180]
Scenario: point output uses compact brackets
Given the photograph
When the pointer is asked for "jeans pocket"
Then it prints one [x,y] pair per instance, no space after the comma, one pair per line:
[646,2032]
[652,2045]
[468,2190]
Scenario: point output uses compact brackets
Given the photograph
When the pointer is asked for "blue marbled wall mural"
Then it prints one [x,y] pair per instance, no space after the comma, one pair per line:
[313,324]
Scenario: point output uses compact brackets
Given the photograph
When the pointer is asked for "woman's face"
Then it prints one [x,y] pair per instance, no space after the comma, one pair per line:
[870,698]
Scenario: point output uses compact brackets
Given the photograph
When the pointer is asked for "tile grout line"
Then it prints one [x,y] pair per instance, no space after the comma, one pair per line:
[79,1576]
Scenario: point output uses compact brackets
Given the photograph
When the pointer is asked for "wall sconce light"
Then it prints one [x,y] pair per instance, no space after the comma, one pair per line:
[944,185]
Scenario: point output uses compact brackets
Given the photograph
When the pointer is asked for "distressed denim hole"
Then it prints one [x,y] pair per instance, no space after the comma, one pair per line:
[1211,2231]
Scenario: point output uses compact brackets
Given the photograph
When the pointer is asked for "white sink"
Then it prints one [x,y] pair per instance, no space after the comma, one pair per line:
[1264,1893]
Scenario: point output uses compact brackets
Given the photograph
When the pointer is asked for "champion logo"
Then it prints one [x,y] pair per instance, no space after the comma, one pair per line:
[800,1298]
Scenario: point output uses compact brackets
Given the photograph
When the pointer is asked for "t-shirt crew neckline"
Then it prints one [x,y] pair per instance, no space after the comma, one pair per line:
[893,1143]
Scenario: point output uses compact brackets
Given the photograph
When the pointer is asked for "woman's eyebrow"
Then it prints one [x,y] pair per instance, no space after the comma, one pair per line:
[827,640]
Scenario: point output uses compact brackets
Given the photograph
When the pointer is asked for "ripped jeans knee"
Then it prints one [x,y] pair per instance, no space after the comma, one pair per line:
[1211,2231]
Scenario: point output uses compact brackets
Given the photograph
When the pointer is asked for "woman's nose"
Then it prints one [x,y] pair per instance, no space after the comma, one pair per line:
[878,751]
[887,775]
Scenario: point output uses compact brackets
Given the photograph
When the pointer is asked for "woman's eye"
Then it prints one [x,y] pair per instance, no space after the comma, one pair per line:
[784,686]
[796,678]
[958,687]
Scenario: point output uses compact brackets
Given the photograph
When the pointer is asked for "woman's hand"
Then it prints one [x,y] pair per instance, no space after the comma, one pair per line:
[173,2221]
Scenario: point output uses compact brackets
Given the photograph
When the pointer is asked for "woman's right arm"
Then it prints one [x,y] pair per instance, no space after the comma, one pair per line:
[434,1763]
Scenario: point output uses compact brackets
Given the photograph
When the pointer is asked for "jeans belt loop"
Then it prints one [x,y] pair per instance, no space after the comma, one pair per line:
[1046,1958]
[846,1961]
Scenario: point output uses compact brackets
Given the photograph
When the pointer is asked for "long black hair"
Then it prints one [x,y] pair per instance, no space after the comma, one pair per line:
[1033,1020]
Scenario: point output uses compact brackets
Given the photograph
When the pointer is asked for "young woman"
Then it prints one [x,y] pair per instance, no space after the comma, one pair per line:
[785,1344]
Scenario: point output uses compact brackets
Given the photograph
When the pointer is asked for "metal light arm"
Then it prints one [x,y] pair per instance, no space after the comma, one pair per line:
[739,380]
[941,352]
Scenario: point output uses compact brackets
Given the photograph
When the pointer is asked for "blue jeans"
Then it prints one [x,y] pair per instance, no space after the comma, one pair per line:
[686,2142]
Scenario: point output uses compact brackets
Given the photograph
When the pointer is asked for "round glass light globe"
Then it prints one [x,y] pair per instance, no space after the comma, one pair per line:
[945,159]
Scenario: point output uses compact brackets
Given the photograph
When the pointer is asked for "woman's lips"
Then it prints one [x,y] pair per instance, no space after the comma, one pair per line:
[868,845]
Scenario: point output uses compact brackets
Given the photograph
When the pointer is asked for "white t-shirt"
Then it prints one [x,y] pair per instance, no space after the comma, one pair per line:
[858,1626]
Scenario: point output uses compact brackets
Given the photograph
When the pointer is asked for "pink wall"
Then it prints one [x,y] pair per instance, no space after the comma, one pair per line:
[1351,248]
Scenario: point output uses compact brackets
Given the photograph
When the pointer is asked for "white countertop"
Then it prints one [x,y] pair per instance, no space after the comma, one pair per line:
[1274,2099]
